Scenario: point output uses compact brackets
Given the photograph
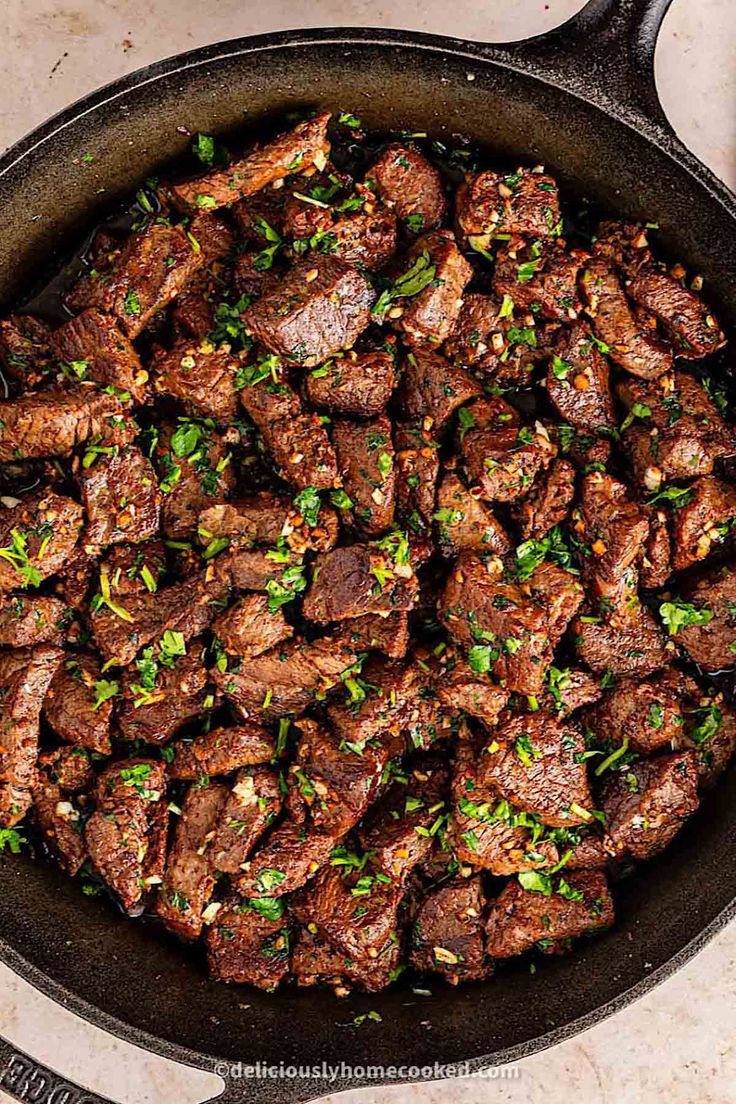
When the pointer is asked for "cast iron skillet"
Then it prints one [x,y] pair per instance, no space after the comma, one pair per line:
[582,100]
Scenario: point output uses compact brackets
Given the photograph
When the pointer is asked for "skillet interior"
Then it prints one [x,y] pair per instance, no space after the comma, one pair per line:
[49,199]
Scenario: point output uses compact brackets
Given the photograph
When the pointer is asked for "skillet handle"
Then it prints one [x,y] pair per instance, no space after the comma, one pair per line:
[605,54]
[25,1079]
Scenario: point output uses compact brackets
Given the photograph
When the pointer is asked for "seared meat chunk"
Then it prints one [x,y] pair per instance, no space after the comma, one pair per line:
[121,499]
[447,937]
[189,877]
[418,466]
[519,919]
[364,235]
[122,580]
[615,531]
[410,185]
[202,376]
[267,518]
[68,766]
[25,620]
[308,317]
[548,502]
[356,383]
[159,697]
[295,151]
[488,203]
[253,804]
[101,352]
[429,317]
[221,751]
[656,564]
[711,733]
[460,688]
[53,423]
[704,624]
[504,462]
[571,689]
[541,280]
[692,327]
[37,536]
[248,946]
[297,441]
[260,570]
[360,579]
[373,632]
[194,469]
[646,714]
[624,244]
[60,823]
[646,805]
[314,961]
[615,324]
[478,337]
[250,628]
[703,521]
[24,349]
[578,381]
[290,857]
[366,463]
[25,675]
[629,643]
[433,388]
[77,705]
[559,594]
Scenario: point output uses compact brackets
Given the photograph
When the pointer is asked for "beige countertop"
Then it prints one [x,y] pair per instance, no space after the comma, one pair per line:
[678,1043]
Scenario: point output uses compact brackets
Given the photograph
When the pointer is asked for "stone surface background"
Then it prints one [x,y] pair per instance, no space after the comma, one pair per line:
[677,1044]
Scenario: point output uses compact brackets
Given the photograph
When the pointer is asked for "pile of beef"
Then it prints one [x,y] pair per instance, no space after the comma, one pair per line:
[359,542]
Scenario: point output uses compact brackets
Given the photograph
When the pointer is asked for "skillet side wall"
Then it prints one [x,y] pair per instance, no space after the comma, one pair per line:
[49,200]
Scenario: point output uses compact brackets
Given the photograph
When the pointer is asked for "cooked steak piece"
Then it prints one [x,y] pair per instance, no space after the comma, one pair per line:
[128,577]
[433,388]
[656,564]
[295,151]
[647,804]
[366,463]
[248,945]
[541,280]
[488,203]
[373,632]
[429,317]
[37,536]
[703,522]
[692,327]
[53,423]
[520,919]
[25,674]
[259,570]
[290,857]
[253,803]
[418,466]
[286,679]
[505,462]
[647,714]
[101,352]
[360,579]
[616,325]
[126,834]
[711,733]
[202,376]
[630,643]
[363,235]
[409,184]
[250,628]
[161,693]
[266,519]
[297,441]
[121,499]
[624,244]
[614,531]
[194,469]
[79,703]
[570,689]
[461,689]
[479,336]
[559,594]
[60,822]
[548,502]
[24,349]
[314,961]
[356,383]
[320,307]
[447,937]
[189,877]
[704,624]
[27,620]
[221,751]
[68,766]
[193,313]
[578,381]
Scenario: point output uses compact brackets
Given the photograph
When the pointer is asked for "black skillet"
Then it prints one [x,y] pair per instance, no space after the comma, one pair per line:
[582,101]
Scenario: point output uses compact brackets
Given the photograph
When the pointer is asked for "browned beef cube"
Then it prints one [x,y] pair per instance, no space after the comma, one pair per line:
[200,375]
[314,961]
[77,713]
[193,311]
[286,679]
[540,280]
[159,698]
[121,499]
[505,462]
[629,644]
[25,675]
[411,185]
[252,805]
[461,689]
[429,317]
[266,518]
[578,381]
[624,244]
[25,621]
[295,151]
[691,325]
[291,856]
[479,336]
[53,423]
[656,564]
[221,751]
[418,467]
[251,280]
[614,530]
[559,594]
[366,463]
[189,877]
[363,235]
[477,605]
[250,628]
[447,937]
[433,388]
[706,625]
[548,502]
[297,441]
[135,615]
[646,805]
[68,766]
[60,823]
[24,349]
[711,734]
[37,537]
[524,203]
[194,469]
[256,570]
[520,918]
[359,579]
[357,383]
[536,764]
[124,834]
[703,522]
[248,946]
[615,324]
[570,689]
[373,632]
[309,317]
[96,342]
[649,714]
